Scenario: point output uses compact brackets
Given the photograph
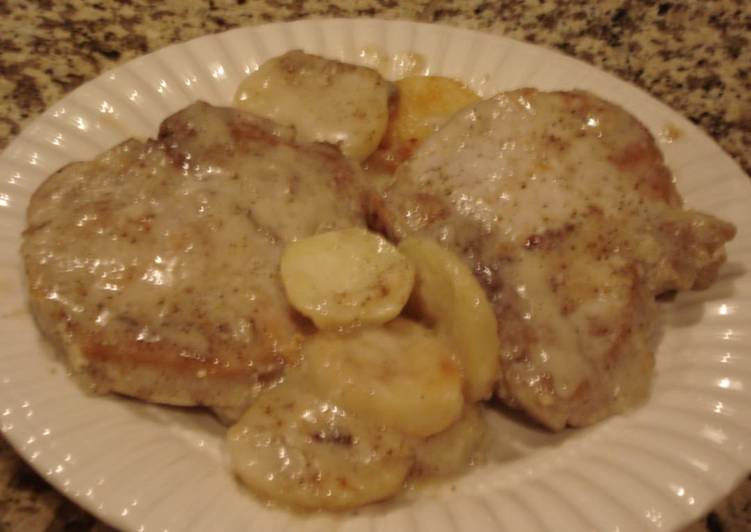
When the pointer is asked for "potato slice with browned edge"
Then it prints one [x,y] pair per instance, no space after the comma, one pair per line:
[299,449]
[400,375]
[347,277]
[448,296]
[453,450]
[425,103]
[422,106]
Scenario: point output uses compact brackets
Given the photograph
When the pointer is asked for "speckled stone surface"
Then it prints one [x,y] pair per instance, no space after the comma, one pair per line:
[693,55]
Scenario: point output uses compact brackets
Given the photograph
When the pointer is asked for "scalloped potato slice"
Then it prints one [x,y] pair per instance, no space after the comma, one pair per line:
[448,295]
[297,448]
[346,277]
[400,375]
[423,104]
[325,100]
[453,450]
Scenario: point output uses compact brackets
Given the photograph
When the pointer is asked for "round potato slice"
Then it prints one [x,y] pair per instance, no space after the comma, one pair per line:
[423,105]
[453,450]
[298,449]
[346,277]
[325,100]
[400,375]
[447,295]
[426,103]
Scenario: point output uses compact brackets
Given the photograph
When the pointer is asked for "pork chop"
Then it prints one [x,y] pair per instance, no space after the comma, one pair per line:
[154,267]
[563,207]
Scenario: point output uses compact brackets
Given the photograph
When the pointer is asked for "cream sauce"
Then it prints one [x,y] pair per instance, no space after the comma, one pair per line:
[554,331]
[535,194]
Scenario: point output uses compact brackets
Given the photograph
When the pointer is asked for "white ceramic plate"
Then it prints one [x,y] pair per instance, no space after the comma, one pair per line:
[144,467]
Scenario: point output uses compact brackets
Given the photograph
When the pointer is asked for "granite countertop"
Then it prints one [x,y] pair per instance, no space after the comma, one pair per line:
[694,56]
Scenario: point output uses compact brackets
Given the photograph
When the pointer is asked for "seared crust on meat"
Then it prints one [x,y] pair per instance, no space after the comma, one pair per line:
[562,205]
[154,267]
